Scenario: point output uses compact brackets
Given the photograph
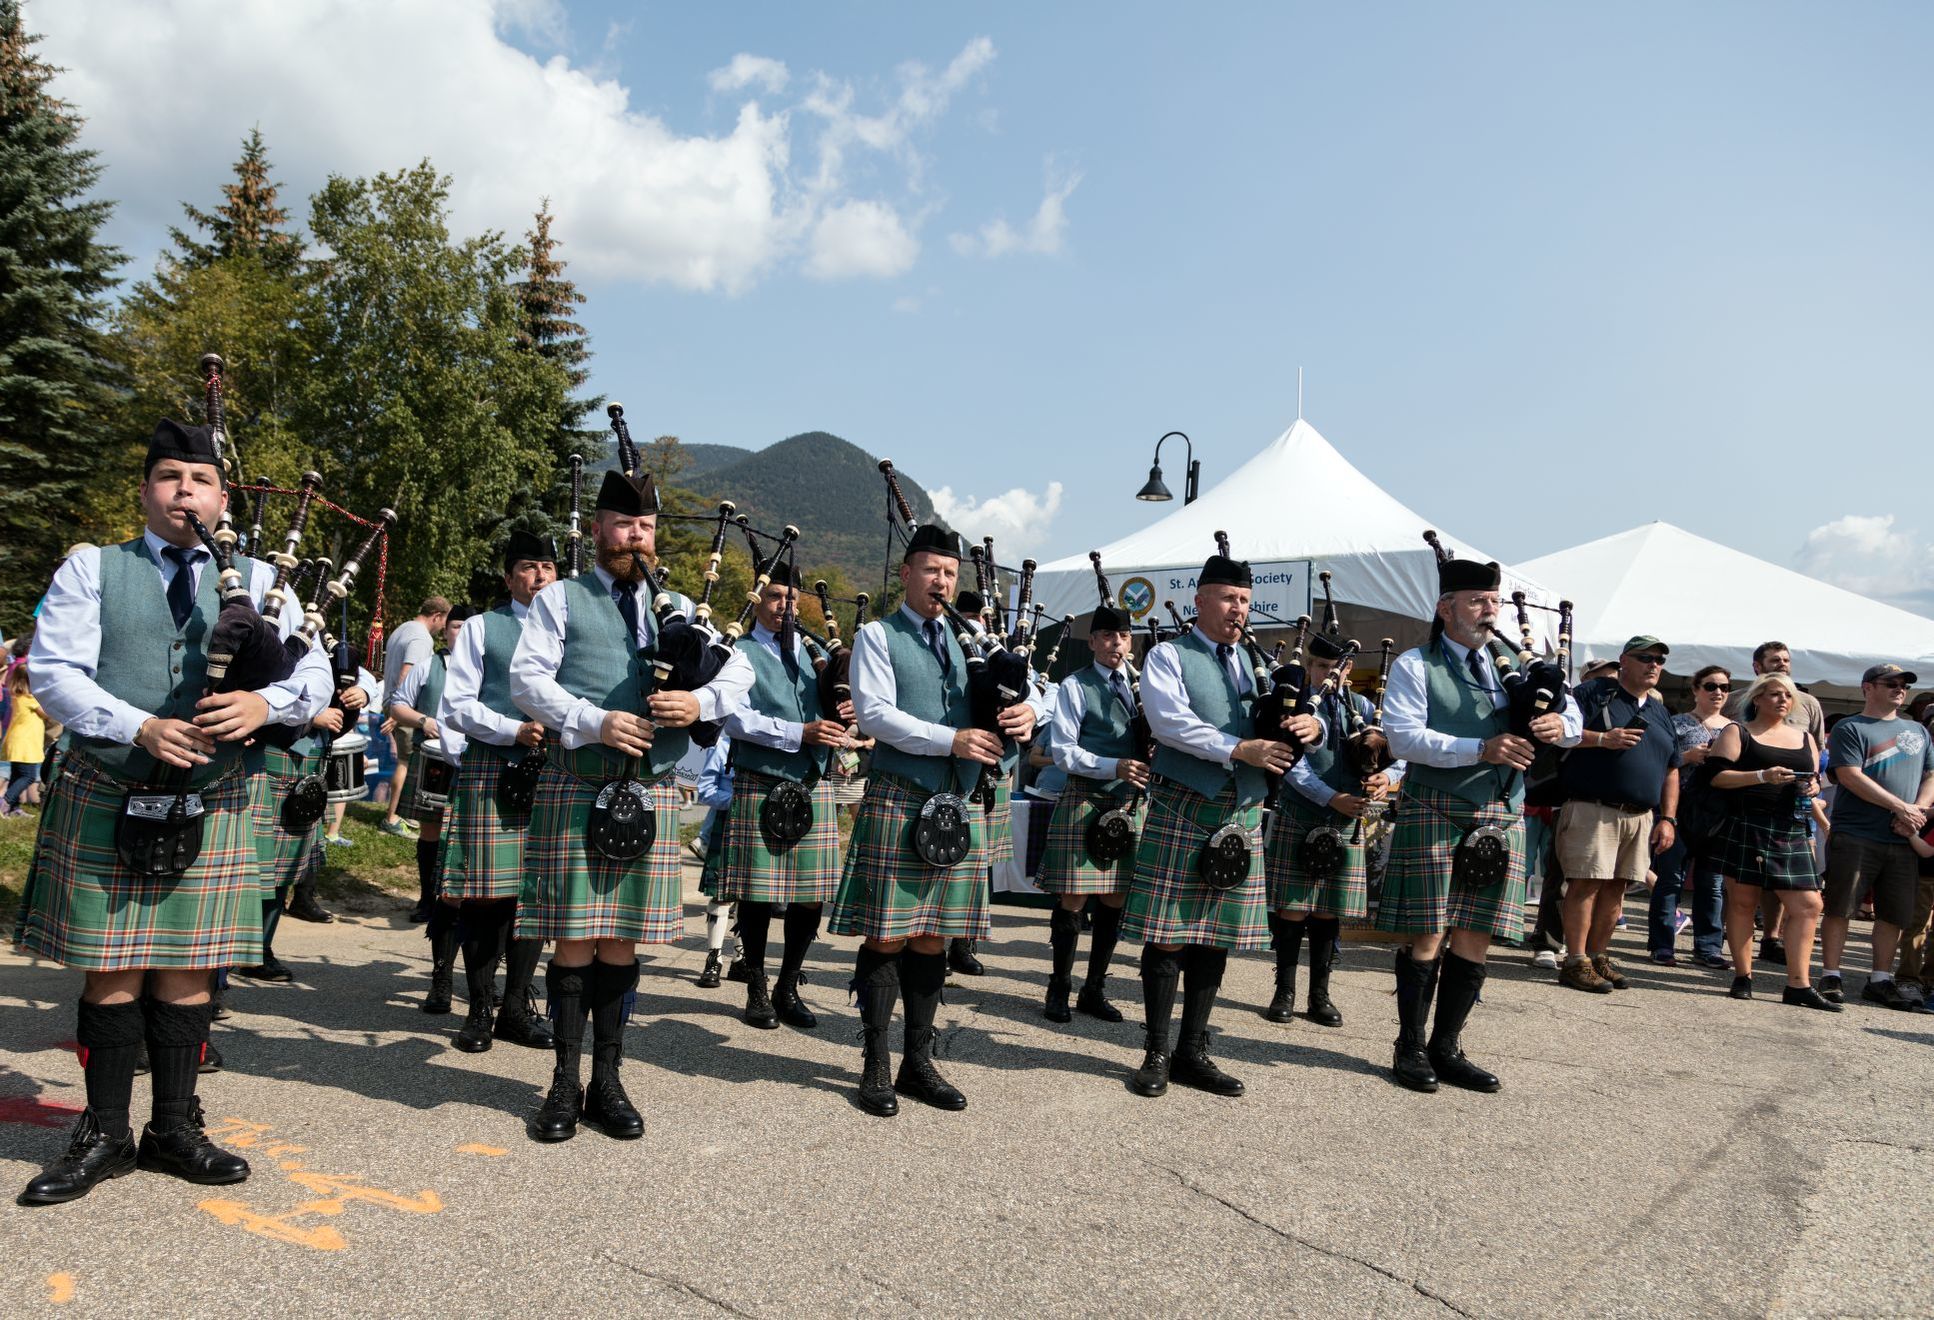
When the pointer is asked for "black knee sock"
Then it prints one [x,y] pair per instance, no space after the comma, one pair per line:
[1458,986]
[1161,969]
[441,931]
[110,1037]
[1416,983]
[271,918]
[755,930]
[566,990]
[802,928]
[520,969]
[1202,969]
[1287,938]
[610,983]
[484,926]
[1101,944]
[923,977]
[876,983]
[426,877]
[176,1034]
[1322,950]
[1064,932]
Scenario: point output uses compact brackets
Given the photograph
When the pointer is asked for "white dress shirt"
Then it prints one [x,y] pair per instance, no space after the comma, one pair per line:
[463,680]
[578,720]
[1165,700]
[1406,710]
[876,696]
[1310,786]
[1070,708]
[67,651]
[748,722]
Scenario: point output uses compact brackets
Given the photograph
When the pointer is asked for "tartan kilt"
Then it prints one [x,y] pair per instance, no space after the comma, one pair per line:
[280,855]
[751,869]
[997,824]
[1765,850]
[483,845]
[1419,897]
[1167,901]
[887,893]
[572,893]
[1066,867]
[87,912]
[1345,895]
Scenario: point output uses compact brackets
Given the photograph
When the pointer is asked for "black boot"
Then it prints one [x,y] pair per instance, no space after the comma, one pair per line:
[922,978]
[426,878]
[567,990]
[1064,931]
[1459,985]
[708,979]
[1410,1063]
[960,957]
[270,968]
[1286,937]
[1101,951]
[605,1103]
[111,1038]
[302,903]
[442,931]
[1202,969]
[518,1020]
[484,927]
[174,1140]
[1322,956]
[755,927]
[802,928]
[716,915]
[1161,970]
[876,983]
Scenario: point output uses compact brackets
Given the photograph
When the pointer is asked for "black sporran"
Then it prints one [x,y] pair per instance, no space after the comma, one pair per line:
[517,783]
[941,835]
[622,824]
[307,799]
[1482,858]
[159,834]
[787,813]
[1111,836]
[1323,853]
[1225,859]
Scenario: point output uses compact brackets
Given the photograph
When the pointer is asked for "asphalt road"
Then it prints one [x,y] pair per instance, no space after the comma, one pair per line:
[1661,1151]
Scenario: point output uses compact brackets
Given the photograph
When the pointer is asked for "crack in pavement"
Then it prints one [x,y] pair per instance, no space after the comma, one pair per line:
[675,1283]
[1891,1145]
[1305,1243]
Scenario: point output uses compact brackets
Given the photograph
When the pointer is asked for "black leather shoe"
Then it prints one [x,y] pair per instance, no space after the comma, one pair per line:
[1772,951]
[1742,988]
[221,1010]
[419,914]
[960,957]
[211,1058]
[270,968]
[185,1151]
[1094,1002]
[476,1034]
[735,970]
[438,1000]
[92,1157]
[791,1008]
[758,1001]
[709,978]
[1454,1069]
[609,1109]
[1321,1011]
[1410,1065]
[1056,1009]
[920,1080]
[557,1118]
[523,1025]
[1151,1079]
[876,1081]
[1194,1068]
[1805,996]
[303,907]
[1282,1005]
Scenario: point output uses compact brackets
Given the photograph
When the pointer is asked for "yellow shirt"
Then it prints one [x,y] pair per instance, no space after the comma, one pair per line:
[26,732]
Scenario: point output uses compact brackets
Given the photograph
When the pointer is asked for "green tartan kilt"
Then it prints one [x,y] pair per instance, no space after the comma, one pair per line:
[887,893]
[1066,867]
[1419,897]
[280,855]
[1167,901]
[997,824]
[573,893]
[483,845]
[751,868]
[1345,894]
[88,912]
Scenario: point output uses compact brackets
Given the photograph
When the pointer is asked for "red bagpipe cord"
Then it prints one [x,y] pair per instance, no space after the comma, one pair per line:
[373,648]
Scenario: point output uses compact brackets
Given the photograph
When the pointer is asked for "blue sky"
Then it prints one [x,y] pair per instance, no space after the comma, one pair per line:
[1552,271]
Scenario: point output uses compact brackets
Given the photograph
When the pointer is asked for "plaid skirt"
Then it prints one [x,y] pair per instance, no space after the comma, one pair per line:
[1419,897]
[1345,895]
[1167,901]
[573,893]
[887,893]
[744,864]
[483,845]
[87,911]
[280,856]
[1765,850]
[997,824]
[1066,867]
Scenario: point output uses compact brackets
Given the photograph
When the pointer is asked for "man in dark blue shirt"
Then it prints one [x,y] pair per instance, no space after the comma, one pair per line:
[1623,770]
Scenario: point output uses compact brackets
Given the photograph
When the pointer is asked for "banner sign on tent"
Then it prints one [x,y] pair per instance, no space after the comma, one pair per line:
[1282,591]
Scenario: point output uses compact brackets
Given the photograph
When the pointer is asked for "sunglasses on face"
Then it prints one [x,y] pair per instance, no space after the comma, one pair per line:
[1649,659]
[1892,684]
[1715,687]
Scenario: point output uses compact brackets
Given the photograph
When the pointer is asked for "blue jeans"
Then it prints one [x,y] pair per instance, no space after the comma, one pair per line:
[25,775]
[1708,902]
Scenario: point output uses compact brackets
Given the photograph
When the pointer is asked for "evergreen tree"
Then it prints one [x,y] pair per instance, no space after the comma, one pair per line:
[56,379]
[248,223]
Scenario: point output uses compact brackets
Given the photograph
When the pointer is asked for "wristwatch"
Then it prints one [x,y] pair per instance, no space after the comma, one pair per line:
[1669,820]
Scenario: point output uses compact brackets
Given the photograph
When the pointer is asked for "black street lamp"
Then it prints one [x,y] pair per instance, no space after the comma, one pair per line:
[1155,492]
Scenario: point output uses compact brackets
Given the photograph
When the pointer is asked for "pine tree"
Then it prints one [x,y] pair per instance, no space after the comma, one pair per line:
[248,223]
[56,379]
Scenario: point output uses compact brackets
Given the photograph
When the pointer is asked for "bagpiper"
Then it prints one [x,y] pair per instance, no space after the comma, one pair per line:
[416,706]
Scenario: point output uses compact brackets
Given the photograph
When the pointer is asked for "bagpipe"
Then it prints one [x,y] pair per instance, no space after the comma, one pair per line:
[835,661]
[1112,835]
[574,556]
[1367,746]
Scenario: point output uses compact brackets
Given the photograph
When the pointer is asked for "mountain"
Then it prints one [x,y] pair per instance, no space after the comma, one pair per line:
[710,458]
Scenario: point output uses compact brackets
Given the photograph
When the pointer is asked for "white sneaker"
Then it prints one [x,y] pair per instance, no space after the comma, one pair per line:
[1546,959]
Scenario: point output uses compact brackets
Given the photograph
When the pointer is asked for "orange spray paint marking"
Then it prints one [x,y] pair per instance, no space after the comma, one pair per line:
[276,1228]
[344,1188]
[238,1132]
[478,1148]
[60,1288]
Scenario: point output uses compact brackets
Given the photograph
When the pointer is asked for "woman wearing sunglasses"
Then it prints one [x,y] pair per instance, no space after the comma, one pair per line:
[1690,857]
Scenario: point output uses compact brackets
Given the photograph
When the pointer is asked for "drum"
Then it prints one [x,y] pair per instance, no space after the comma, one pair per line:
[431,774]
[342,773]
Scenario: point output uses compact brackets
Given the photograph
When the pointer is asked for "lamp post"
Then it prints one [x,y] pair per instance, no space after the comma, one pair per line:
[1155,492]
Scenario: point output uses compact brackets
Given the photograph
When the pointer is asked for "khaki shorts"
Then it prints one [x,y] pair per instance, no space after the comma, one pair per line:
[406,740]
[1604,843]
[1888,869]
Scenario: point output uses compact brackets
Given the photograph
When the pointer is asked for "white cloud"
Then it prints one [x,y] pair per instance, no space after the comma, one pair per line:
[1865,553]
[750,71]
[861,238]
[1017,519]
[360,86]
[1040,237]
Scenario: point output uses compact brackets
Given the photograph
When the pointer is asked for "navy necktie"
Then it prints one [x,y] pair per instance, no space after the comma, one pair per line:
[1121,692]
[938,645]
[1222,653]
[181,591]
[1477,671]
[789,657]
[627,606]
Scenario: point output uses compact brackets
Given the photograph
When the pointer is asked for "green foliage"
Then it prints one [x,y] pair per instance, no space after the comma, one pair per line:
[249,222]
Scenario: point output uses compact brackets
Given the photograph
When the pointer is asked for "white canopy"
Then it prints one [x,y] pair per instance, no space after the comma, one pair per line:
[1712,605]
[1293,510]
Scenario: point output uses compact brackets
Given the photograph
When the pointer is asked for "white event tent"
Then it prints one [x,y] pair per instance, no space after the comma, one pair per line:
[1712,605]
[1294,509]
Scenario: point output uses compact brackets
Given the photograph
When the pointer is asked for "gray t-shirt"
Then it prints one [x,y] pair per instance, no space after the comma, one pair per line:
[1896,754]
[409,645]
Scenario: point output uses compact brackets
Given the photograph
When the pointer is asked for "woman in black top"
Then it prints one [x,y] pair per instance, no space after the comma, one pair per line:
[1766,772]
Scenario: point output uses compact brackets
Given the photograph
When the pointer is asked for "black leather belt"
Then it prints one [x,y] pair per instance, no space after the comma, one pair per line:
[1615,806]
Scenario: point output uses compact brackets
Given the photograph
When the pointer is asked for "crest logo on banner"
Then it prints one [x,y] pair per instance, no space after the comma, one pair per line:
[1137,596]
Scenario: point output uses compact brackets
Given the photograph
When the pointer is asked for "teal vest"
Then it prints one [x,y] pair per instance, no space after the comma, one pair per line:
[501,631]
[431,693]
[1327,762]
[148,662]
[1459,708]
[1216,702]
[784,698]
[601,666]
[1105,723]
[924,693]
